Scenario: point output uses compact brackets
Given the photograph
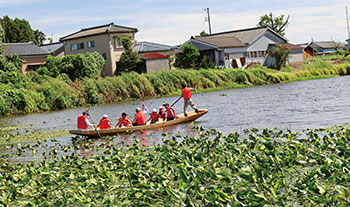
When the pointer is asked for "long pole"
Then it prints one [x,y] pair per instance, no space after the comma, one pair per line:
[209,20]
[347,21]
[98,133]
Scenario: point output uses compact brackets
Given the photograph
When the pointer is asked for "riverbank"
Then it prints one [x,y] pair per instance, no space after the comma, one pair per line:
[268,167]
[36,93]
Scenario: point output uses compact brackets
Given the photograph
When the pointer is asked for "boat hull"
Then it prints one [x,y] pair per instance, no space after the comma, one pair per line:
[114,131]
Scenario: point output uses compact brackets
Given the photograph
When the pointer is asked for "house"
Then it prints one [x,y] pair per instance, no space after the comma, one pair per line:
[295,55]
[326,47]
[239,47]
[102,39]
[55,49]
[150,47]
[308,50]
[31,55]
[155,62]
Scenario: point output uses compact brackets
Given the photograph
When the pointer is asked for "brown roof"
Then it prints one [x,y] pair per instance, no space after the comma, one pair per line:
[108,28]
[288,46]
[222,42]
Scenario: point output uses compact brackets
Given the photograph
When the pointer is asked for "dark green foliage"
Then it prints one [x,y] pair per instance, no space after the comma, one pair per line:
[281,54]
[75,66]
[207,63]
[188,57]
[15,60]
[130,61]
[267,167]
[19,30]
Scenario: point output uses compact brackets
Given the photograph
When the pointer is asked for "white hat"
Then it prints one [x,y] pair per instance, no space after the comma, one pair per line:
[105,116]
[154,110]
[161,107]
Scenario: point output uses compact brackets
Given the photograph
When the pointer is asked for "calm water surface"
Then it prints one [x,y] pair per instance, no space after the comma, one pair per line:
[296,105]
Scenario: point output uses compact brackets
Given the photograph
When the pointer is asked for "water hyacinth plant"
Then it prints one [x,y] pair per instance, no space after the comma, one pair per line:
[261,168]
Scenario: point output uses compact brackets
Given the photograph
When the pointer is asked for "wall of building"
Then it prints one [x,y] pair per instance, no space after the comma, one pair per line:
[295,56]
[156,65]
[34,61]
[102,46]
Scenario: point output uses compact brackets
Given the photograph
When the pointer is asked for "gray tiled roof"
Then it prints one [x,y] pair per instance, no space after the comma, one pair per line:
[222,42]
[108,28]
[151,47]
[327,44]
[23,49]
[52,47]
[239,38]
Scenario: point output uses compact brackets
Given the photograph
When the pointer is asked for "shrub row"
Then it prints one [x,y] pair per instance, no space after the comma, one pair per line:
[34,92]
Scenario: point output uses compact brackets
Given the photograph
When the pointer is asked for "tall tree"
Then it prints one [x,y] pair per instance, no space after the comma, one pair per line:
[19,30]
[130,59]
[281,55]
[188,57]
[278,24]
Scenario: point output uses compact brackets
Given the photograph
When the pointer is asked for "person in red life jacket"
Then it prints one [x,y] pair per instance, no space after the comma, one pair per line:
[187,95]
[162,114]
[124,121]
[83,121]
[154,117]
[171,114]
[104,122]
[139,118]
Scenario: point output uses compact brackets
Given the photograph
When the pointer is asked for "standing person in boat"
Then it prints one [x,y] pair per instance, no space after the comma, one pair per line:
[83,121]
[104,122]
[154,117]
[139,118]
[170,111]
[124,121]
[162,114]
[187,95]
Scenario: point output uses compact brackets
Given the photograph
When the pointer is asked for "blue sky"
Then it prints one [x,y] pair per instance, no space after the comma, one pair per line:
[173,22]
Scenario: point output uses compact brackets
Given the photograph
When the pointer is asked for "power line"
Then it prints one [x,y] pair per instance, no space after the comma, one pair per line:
[207,10]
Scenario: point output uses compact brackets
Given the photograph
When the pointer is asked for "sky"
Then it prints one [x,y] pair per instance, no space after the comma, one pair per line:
[174,22]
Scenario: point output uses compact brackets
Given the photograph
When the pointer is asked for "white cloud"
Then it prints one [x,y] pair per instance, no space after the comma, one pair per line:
[16,2]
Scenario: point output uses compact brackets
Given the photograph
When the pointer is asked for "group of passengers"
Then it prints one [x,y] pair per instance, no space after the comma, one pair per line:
[140,116]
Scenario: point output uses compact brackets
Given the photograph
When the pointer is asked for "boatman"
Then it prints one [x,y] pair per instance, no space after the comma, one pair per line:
[187,95]
[104,122]
[124,121]
[83,121]
[170,111]
[139,118]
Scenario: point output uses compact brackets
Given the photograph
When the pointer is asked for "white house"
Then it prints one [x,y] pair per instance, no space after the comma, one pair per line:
[238,47]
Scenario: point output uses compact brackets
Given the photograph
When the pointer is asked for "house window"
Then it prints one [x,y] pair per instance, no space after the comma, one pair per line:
[77,46]
[104,56]
[260,54]
[255,54]
[227,56]
[91,44]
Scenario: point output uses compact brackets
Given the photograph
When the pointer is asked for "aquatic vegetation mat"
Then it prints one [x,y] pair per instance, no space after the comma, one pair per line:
[259,168]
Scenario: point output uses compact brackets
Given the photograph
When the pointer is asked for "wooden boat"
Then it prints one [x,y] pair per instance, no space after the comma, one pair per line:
[114,131]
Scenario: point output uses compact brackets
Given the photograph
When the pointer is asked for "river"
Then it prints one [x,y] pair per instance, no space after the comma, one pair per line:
[294,105]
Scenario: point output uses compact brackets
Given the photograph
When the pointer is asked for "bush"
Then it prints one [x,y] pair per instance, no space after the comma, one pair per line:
[188,57]
[207,63]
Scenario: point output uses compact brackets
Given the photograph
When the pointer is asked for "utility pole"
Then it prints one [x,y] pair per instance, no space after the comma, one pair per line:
[347,21]
[207,10]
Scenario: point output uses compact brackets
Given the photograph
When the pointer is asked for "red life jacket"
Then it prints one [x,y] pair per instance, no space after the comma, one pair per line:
[186,93]
[154,116]
[104,124]
[81,122]
[140,118]
[169,110]
[162,115]
[124,122]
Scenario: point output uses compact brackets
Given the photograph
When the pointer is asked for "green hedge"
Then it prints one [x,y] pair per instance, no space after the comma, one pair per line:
[34,92]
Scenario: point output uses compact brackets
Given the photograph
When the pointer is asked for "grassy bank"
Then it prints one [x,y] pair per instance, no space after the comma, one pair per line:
[267,168]
[34,93]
